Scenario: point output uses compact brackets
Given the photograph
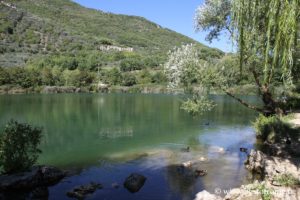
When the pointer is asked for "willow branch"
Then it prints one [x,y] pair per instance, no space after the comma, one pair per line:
[244,103]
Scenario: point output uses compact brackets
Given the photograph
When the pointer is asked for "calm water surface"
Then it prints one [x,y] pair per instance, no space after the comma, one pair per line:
[105,137]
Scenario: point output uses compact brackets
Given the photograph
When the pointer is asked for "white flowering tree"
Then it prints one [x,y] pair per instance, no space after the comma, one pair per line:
[185,69]
[183,66]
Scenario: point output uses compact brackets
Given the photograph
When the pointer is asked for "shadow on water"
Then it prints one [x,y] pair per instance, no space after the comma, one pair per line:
[104,138]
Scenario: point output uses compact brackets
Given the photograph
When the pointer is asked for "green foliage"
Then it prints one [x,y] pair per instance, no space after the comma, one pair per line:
[106,41]
[197,105]
[82,78]
[19,146]
[265,192]
[62,27]
[128,79]
[266,34]
[287,180]
[159,77]
[47,77]
[112,76]
[272,36]
[264,126]
[131,64]
[212,16]
[271,128]
[144,77]
[4,76]
[24,77]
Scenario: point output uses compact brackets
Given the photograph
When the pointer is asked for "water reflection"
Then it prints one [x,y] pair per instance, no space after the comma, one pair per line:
[104,138]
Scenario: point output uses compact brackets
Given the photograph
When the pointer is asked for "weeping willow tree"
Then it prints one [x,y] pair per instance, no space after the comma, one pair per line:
[266,33]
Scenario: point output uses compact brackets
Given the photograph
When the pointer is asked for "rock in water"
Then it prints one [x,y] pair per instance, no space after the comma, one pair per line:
[200,172]
[134,182]
[36,177]
[51,175]
[81,191]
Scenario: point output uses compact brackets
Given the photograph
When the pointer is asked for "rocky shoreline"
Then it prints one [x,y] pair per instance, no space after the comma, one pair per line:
[277,172]
[35,181]
[103,88]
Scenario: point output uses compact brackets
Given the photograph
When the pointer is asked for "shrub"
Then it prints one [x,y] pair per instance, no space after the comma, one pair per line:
[106,41]
[128,80]
[4,76]
[19,146]
[144,77]
[112,76]
[287,180]
[159,77]
[271,128]
[130,64]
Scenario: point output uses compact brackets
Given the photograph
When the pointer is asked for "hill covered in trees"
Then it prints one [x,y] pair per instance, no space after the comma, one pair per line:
[62,38]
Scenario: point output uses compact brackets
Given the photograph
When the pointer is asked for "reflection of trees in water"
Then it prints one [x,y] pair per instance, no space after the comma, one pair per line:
[74,124]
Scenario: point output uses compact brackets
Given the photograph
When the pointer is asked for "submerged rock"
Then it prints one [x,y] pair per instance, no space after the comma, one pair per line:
[81,191]
[38,176]
[200,172]
[134,182]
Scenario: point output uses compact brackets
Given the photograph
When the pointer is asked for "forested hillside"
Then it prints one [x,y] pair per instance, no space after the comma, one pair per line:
[60,37]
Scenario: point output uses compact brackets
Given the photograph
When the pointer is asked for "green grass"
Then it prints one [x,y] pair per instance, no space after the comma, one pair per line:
[287,180]
[265,192]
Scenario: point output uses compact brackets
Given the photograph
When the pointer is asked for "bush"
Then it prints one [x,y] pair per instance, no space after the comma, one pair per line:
[128,80]
[112,76]
[159,77]
[131,64]
[106,41]
[270,129]
[19,147]
[144,77]
[4,76]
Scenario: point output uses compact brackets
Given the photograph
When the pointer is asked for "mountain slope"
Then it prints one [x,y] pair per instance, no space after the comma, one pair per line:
[39,28]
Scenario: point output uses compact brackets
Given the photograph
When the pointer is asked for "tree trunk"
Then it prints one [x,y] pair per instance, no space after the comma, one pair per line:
[271,107]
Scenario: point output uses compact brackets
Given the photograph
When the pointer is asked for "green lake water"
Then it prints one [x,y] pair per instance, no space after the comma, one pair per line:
[105,137]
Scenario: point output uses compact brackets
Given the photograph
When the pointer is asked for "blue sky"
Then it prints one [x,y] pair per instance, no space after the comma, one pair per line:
[175,15]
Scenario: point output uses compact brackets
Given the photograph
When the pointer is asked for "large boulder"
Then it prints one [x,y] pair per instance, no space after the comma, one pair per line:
[36,177]
[256,162]
[134,182]
[270,166]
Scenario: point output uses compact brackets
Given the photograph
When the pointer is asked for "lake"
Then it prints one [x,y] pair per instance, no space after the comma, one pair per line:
[105,137]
